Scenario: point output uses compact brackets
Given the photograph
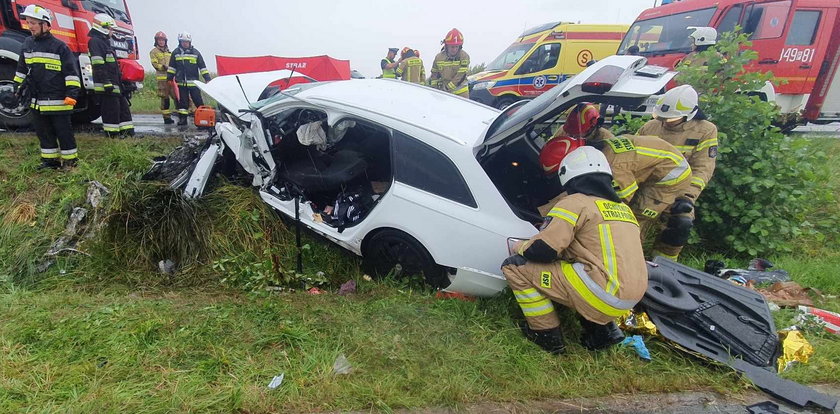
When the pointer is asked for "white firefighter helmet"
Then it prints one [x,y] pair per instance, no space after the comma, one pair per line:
[38,13]
[677,103]
[184,37]
[584,160]
[102,22]
[703,36]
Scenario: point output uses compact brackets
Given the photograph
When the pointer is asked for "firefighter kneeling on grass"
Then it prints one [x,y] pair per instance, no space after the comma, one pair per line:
[116,112]
[587,256]
[50,71]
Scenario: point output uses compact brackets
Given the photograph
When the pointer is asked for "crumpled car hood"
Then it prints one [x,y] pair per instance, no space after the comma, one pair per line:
[227,92]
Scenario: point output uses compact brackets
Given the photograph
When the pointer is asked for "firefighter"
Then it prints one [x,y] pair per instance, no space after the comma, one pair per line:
[411,68]
[451,65]
[587,256]
[584,122]
[160,56]
[648,173]
[389,65]
[703,38]
[116,113]
[679,122]
[49,70]
[186,66]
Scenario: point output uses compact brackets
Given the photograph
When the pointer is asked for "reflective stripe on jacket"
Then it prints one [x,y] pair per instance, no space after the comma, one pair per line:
[187,66]
[387,73]
[600,264]
[450,73]
[103,58]
[697,140]
[53,73]
[160,61]
[412,70]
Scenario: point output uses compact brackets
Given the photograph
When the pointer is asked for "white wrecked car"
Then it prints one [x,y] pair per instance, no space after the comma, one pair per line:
[414,180]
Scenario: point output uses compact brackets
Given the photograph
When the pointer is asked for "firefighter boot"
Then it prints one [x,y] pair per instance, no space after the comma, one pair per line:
[550,340]
[167,120]
[182,120]
[596,337]
[49,164]
[68,165]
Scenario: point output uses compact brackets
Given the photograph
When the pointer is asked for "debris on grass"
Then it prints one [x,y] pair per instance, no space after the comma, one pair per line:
[828,320]
[342,366]
[454,295]
[638,344]
[348,288]
[83,224]
[789,294]
[276,381]
[795,349]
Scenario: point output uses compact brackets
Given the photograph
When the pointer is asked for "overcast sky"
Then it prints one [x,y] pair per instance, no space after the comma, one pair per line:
[359,30]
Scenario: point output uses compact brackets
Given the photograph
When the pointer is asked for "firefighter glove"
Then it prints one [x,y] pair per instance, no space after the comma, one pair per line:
[109,87]
[207,78]
[69,101]
[682,205]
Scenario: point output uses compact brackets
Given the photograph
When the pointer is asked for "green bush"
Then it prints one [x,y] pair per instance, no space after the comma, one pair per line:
[767,186]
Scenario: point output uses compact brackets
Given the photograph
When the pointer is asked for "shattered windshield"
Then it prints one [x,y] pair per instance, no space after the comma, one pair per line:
[510,57]
[115,8]
[667,34]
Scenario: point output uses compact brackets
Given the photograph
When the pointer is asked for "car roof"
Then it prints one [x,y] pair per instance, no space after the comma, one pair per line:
[458,119]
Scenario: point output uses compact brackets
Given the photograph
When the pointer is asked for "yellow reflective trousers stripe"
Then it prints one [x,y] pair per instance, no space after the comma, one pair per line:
[629,191]
[587,295]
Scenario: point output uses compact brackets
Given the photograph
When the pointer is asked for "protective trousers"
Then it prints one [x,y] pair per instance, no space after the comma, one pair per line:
[186,93]
[677,230]
[55,133]
[116,114]
[532,295]
[165,93]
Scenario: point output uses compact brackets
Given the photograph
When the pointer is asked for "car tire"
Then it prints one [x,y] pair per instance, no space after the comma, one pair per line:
[505,101]
[395,252]
[8,120]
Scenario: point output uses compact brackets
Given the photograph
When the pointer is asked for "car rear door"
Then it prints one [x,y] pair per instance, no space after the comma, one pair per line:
[805,46]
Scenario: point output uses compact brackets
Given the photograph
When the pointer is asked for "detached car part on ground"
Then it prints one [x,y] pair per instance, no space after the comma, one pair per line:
[412,179]
[724,322]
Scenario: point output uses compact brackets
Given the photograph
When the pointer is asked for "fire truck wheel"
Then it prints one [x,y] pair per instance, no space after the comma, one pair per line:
[12,118]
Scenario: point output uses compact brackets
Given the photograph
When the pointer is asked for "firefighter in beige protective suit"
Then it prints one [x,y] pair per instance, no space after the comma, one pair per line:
[450,68]
[679,123]
[587,256]
[160,56]
[410,68]
[648,173]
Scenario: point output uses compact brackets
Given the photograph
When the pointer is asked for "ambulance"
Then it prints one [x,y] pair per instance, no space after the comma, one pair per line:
[541,58]
[797,40]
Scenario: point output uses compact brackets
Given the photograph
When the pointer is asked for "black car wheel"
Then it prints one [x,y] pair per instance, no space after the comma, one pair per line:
[505,101]
[393,252]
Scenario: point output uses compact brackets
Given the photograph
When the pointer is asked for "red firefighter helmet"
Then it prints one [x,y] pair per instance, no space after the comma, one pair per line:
[582,120]
[555,151]
[454,37]
[160,35]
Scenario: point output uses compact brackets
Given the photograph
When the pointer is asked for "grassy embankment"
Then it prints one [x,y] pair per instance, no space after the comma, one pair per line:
[106,333]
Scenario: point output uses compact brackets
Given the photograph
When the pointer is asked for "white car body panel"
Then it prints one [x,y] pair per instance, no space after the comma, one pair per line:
[473,241]
[227,92]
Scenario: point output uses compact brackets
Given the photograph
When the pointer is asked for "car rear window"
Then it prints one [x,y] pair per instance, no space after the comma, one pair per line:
[423,167]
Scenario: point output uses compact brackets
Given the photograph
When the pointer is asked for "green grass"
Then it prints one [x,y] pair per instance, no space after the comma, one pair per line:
[107,333]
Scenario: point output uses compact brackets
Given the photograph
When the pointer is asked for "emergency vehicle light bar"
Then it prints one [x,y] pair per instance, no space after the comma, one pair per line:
[603,80]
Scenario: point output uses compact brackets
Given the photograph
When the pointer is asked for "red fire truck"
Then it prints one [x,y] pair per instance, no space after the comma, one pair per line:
[797,40]
[71,24]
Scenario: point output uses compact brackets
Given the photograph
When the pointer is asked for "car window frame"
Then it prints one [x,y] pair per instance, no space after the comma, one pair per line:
[397,138]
